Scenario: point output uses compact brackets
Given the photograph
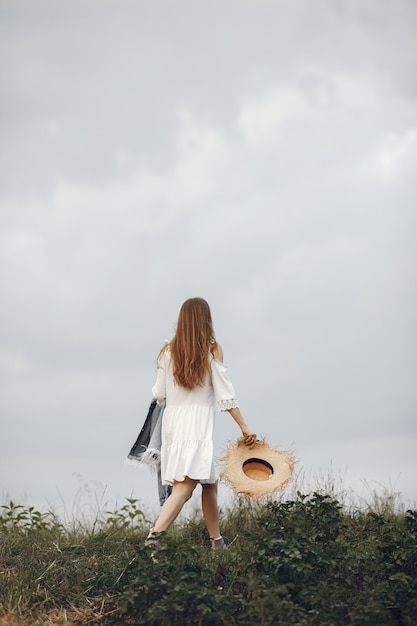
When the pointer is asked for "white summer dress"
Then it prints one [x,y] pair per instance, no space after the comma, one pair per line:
[188,421]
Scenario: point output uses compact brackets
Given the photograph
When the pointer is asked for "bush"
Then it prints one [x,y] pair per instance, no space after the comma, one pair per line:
[305,561]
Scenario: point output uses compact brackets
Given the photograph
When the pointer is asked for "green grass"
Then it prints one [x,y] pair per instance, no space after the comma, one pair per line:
[307,560]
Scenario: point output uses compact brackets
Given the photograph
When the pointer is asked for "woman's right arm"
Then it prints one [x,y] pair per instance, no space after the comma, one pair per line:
[248,435]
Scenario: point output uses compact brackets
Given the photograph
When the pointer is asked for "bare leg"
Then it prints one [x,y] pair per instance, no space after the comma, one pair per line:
[210,509]
[181,492]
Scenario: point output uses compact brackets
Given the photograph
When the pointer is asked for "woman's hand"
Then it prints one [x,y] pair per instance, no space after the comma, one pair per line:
[249,437]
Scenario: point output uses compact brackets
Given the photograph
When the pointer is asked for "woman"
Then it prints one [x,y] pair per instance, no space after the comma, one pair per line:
[191,377]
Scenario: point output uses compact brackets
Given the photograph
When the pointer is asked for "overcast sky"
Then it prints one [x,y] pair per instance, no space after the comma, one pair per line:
[261,154]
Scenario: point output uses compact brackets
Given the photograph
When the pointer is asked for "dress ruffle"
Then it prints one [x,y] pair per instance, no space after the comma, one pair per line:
[226,405]
[188,458]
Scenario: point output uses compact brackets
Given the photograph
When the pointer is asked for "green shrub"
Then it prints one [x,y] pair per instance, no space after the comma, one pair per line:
[304,561]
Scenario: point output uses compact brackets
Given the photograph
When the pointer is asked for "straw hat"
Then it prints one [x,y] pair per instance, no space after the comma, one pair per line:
[256,471]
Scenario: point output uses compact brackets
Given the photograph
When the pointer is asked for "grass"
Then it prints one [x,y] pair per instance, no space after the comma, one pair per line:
[308,559]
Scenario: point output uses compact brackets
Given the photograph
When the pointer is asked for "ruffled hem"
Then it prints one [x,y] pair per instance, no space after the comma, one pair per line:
[226,405]
[202,481]
[188,458]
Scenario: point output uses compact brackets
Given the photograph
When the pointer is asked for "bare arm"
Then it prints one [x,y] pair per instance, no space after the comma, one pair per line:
[248,434]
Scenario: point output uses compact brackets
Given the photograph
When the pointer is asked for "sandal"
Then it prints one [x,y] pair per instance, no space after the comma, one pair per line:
[218,543]
[151,541]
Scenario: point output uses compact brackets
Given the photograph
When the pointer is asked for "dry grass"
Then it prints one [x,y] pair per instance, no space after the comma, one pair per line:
[302,551]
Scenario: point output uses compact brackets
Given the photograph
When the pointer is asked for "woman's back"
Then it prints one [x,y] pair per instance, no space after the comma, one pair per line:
[180,396]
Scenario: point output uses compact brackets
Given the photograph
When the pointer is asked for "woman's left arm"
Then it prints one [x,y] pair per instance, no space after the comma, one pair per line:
[159,388]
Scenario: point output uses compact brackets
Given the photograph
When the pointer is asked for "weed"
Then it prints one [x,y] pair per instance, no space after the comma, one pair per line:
[303,561]
[128,516]
[16,516]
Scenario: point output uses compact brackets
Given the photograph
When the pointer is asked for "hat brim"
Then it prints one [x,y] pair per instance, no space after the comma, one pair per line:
[257,471]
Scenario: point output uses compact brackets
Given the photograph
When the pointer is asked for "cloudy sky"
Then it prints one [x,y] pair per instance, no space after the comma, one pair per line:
[259,153]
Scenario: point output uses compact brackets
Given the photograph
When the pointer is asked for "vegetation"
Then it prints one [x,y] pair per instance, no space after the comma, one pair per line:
[304,561]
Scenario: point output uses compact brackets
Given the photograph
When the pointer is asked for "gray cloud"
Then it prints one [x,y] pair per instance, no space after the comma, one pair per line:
[262,155]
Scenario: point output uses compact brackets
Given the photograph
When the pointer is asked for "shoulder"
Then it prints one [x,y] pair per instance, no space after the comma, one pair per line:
[217,351]
[164,352]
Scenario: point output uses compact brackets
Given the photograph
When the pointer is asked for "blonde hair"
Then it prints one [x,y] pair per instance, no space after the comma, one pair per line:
[191,344]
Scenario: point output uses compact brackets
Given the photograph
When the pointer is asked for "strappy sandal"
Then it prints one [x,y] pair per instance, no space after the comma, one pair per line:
[152,540]
[218,543]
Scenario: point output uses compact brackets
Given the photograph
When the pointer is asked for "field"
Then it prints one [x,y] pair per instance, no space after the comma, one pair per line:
[306,560]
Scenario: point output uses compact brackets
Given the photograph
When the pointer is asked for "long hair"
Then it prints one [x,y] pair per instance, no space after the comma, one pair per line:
[191,343]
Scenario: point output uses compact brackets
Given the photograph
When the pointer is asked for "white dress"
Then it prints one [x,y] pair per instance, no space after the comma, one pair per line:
[188,421]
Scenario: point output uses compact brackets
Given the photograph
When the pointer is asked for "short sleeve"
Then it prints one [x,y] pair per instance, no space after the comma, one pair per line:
[159,388]
[223,388]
